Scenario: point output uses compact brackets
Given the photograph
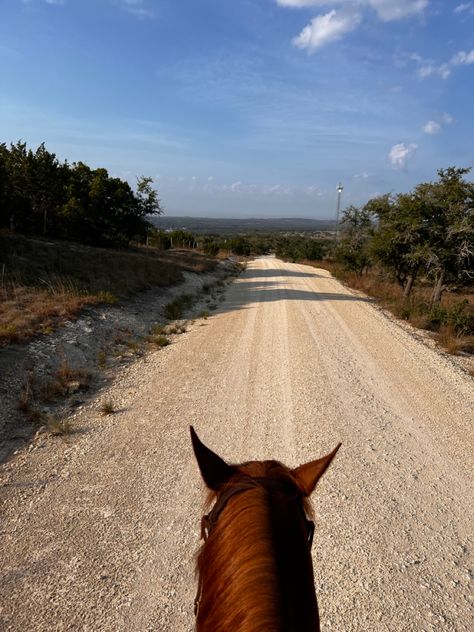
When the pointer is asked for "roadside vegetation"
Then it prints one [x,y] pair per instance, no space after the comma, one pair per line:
[39,195]
[414,252]
[58,225]
[45,282]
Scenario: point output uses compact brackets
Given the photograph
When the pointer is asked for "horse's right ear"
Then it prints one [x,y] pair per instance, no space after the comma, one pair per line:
[214,470]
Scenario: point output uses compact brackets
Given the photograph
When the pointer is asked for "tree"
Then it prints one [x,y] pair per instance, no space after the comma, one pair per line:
[147,197]
[356,231]
[159,239]
[401,236]
[449,204]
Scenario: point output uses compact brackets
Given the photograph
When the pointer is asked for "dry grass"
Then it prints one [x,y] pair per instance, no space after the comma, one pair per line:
[58,427]
[107,407]
[159,341]
[39,390]
[47,282]
[27,311]
[175,308]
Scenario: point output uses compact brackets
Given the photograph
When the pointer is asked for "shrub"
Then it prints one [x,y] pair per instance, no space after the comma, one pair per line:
[211,248]
[174,309]
[107,407]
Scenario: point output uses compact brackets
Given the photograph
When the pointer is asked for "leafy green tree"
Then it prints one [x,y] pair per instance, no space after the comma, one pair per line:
[147,197]
[401,237]
[4,187]
[449,203]
[182,239]
[211,248]
[356,232]
[240,246]
[45,188]
[159,239]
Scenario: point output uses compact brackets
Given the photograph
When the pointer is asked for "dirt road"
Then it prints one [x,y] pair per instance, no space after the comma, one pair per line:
[99,531]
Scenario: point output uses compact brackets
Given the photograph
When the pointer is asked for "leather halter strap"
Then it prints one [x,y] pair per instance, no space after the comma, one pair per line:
[209,521]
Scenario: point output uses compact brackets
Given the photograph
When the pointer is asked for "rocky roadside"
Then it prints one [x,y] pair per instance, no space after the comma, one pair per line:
[79,358]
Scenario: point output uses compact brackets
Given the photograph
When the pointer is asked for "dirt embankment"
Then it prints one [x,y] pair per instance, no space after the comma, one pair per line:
[69,365]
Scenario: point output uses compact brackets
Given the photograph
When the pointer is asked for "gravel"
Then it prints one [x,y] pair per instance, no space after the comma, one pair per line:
[100,528]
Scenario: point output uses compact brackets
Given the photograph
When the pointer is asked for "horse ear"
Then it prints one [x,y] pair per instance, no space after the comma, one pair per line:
[214,470]
[308,475]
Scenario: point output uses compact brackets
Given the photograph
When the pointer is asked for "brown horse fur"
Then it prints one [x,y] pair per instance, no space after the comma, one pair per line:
[255,568]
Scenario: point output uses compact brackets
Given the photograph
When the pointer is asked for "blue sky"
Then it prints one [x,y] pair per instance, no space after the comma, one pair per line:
[244,107]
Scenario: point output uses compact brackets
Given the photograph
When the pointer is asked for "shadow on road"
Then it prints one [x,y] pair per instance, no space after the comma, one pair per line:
[265,289]
[275,272]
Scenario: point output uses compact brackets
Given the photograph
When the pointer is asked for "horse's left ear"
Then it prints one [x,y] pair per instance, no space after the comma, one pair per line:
[308,475]
[214,470]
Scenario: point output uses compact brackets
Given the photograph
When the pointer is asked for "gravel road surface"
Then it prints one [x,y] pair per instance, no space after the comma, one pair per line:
[99,530]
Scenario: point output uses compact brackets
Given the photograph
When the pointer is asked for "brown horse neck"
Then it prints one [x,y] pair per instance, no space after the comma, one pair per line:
[255,568]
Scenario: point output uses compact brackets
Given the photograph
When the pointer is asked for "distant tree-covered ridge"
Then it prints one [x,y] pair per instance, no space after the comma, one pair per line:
[40,195]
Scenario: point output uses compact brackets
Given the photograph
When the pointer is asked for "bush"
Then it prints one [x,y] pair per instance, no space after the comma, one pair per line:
[174,309]
[211,248]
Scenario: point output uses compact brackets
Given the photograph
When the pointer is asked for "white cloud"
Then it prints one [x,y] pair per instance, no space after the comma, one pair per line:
[465,7]
[361,176]
[386,10]
[400,154]
[463,59]
[435,127]
[46,1]
[428,68]
[389,10]
[332,26]
[137,8]
[236,186]
[432,127]
[314,190]
[299,4]
[325,29]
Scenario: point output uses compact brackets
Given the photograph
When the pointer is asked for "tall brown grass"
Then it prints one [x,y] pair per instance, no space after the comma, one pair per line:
[47,282]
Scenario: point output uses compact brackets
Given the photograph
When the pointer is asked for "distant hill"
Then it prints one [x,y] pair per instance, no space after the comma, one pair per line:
[220,225]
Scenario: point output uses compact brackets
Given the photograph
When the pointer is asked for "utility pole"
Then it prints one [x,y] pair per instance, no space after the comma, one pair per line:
[339,191]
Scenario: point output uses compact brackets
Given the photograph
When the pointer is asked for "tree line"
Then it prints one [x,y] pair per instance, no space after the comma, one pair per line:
[285,246]
[40,195]
[426,234]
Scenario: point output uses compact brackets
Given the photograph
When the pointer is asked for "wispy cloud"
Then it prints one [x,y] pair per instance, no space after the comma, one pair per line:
[463,59]
[57,2]
[466,7]
[400,154]
[430,68]
[138,8]
[387,10]
[435,127]
[325,29]
[334,25]
[432,128]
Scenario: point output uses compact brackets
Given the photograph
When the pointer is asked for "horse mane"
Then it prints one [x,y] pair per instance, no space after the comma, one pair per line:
[255,564]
